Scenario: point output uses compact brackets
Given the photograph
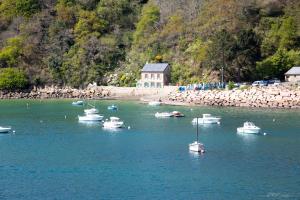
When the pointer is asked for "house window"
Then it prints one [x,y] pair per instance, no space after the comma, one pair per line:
[158,85]
[152,76]
[146,76]
[152,84]
[146,84]
[158,76]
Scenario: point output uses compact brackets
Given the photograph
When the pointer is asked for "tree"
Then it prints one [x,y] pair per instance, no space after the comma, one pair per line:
[220,51]
[276,65]
[10,53]
[12,79]
[246,53]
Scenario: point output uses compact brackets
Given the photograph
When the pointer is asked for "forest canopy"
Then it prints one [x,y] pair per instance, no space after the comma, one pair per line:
[76,42]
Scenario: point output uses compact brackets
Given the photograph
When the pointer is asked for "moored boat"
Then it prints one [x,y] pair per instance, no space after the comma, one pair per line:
[114,122]
[112,107]
[249,128]
[154,103]
[90,117]
[77,103]
[196,146]
[4,129]
[163,114]
[177,114]
[91,111]
[207,119]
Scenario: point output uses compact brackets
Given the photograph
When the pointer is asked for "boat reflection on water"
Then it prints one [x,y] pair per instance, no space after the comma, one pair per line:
[90,123]
[112,130]
[194,154]
[248,137]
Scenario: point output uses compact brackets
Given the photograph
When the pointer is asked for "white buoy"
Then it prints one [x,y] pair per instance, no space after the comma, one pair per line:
[65,116]
[274,120]
[218,122]
[129,127]
[14,131]
[191,109]
[265,134]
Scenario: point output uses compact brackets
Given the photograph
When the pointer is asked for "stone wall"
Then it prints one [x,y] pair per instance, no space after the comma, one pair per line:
[91,92]
[56,92]
[269,97]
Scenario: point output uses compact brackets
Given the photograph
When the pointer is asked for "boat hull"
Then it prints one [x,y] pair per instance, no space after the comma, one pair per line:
[112,108]
[154,103]
[77,103]
[113,125]
[163,115]
[207,121]
[90,118]
[4,130]
[197,147]
[91,111]
[248,130]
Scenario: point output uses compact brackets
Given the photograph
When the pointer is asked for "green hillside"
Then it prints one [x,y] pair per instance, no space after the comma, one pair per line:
[76,42]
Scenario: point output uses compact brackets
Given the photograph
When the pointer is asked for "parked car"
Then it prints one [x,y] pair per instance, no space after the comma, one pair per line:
[260,83]
[274,82]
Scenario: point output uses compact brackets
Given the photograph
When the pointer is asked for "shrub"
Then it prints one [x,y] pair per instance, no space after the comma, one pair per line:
[230,85]
[12,79]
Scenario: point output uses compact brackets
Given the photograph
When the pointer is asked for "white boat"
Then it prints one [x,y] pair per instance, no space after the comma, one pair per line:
[196,146]
[163,114]
[249,127]
[207,119]
[114,122]
[177,114]
[90,117]
[154,103]
[77,103]
[91,111]
[4,129]
[112,107]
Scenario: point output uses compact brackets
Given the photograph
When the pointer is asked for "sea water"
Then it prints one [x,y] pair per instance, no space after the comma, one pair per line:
[51,155]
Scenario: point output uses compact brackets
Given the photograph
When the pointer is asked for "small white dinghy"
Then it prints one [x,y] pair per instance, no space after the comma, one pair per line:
[77,103]
[90,117]
[113,123]
[163,115]
[154,103]
[91,111]
[207,119]
[4,129]
[196,146]
[249,128]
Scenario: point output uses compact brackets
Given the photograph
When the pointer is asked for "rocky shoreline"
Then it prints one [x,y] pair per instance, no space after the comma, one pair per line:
[281,96]
[91,92]
[56,93]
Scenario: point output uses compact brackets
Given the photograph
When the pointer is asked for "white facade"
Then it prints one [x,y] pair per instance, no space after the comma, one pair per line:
[293,75]
[154,76]
[292,78]
[152,80]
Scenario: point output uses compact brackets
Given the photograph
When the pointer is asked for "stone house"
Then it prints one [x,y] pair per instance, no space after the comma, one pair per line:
[155,75]
[293,75]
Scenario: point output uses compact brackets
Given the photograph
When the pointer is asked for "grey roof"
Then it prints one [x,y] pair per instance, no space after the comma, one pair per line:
[293,71]
[155,67]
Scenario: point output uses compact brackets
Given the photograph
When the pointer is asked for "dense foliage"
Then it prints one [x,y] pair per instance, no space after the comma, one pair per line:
[76,42]
[12,78]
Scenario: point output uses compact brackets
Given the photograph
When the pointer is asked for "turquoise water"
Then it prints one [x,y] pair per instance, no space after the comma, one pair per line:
[53,157]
